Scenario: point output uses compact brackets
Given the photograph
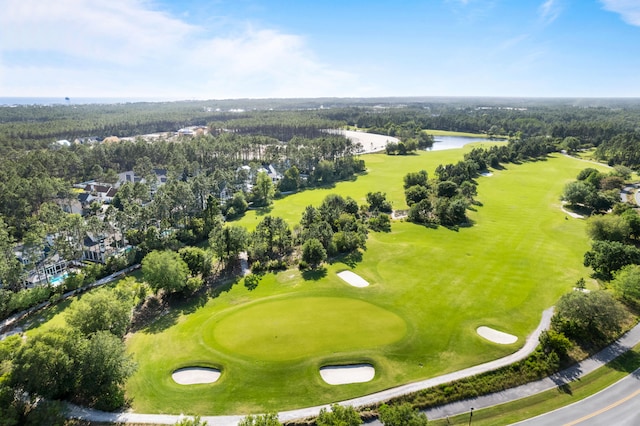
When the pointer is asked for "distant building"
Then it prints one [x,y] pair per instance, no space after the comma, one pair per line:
[131,177]
[91,140]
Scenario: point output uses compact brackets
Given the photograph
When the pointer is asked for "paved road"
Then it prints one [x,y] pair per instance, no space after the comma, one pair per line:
[630,193]
[616,405]
[620,346]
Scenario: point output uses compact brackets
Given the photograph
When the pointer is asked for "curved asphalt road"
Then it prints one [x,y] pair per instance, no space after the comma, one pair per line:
[615,405]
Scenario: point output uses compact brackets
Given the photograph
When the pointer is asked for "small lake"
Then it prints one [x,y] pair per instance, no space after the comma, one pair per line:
[451,142]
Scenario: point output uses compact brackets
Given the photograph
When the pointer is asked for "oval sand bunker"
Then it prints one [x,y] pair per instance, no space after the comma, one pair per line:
[344,374]
[353,279]
[496,336]
[195,375]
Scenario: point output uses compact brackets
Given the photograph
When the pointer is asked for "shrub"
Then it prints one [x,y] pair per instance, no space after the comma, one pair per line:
[193,284]
[588,316]
[257,267]
[251,281]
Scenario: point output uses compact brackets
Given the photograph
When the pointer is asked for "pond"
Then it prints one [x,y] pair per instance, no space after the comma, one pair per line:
[451,142]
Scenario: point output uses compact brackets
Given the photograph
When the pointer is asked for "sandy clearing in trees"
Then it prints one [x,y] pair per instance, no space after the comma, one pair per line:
[370,142]
[496,336]
[195,375]
[353,279]
[344,374]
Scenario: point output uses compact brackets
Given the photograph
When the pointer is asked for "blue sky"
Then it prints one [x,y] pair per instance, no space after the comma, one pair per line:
[220,49]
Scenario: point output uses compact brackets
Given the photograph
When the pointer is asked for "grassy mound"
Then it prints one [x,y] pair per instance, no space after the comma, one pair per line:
[294,328]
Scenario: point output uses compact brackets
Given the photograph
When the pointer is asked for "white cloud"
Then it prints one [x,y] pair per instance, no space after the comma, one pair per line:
[549,11]
[127,48]
[629,10]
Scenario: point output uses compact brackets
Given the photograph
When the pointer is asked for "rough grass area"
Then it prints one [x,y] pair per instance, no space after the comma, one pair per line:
[431,287]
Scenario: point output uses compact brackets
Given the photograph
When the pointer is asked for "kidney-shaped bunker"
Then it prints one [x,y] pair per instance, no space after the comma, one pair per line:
[344,374]
[195,375]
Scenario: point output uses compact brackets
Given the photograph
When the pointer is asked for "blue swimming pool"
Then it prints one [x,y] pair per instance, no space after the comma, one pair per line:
[58,279]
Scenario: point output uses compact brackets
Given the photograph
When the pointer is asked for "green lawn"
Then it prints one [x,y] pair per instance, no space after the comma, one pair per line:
[384,173]
[303,327]
[430,289]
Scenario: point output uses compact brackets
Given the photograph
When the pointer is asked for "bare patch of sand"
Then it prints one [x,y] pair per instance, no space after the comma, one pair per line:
[195,375]
[369,142]
[486,174]
[496,336]
[353,279]
[344,374]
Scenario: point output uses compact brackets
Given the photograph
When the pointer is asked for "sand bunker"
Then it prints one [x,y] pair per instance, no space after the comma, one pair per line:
[195,375]
[353,279]
[496,336]
[344,374]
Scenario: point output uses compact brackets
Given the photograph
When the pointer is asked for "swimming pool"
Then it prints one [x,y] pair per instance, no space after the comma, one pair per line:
[58,279]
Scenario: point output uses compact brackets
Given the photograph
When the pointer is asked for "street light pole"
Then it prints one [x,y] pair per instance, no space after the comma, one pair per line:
[470,415]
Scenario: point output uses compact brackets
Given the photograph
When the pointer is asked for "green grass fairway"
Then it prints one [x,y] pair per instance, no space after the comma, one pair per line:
[429,291]
[384,173]
[305,327]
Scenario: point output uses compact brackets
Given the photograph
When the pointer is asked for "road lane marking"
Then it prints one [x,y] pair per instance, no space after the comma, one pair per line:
[602,410]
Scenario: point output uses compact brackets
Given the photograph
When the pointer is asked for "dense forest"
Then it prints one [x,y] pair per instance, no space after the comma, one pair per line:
[241,139]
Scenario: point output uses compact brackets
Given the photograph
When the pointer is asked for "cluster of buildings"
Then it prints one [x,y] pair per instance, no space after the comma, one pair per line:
[47,266]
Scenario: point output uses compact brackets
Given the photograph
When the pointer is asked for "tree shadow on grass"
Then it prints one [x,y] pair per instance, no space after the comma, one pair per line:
[314,274]
[162,314]
[565,389]
[262,211]
[350,259]
[157,315]
[578,209]
[222,287]
[34,321]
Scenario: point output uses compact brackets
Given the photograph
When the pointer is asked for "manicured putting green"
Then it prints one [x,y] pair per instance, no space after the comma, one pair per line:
[299,327]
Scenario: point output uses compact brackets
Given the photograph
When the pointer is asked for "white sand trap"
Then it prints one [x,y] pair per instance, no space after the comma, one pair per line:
[496,336]
[486,174]
[195,375]
[353,279]
[344,374]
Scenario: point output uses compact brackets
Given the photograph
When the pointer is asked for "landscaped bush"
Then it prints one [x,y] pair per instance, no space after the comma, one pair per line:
[534,367]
